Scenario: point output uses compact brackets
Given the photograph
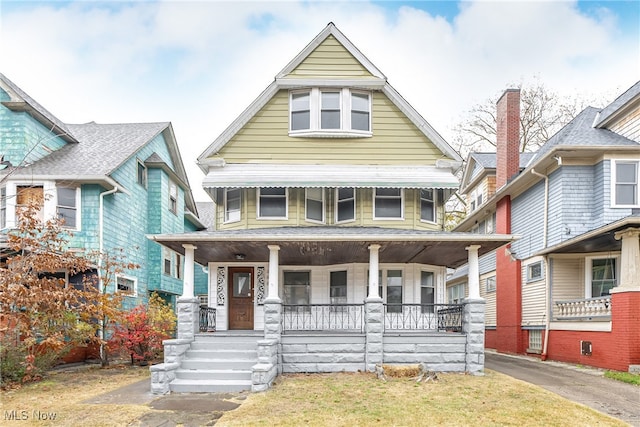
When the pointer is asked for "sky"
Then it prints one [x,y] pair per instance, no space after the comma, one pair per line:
[199,64]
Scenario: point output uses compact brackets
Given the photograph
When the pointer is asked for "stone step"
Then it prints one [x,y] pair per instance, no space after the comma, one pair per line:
[217,363]
[214,374]
[222,354]
[229,337]
[208,386]
[224,345]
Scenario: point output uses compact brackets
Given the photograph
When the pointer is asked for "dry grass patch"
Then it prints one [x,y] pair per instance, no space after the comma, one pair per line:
[362,400]
[61,394]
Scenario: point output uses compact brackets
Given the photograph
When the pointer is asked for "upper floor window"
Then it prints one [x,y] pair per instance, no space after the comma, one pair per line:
[142,174]
[330,111]
[345,204]
[314,204]
[66,208]
[232,204]
[625,183]
[428,205]
[476,200]
[173,197]
[30,195]
[272,203]
[3,207]
[387,203]
[602,276]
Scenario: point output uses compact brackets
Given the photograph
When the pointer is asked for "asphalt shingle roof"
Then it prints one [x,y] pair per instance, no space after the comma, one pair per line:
[620,101]
[488,160]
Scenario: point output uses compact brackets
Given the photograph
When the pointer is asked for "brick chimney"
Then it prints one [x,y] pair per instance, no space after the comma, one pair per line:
[508,136]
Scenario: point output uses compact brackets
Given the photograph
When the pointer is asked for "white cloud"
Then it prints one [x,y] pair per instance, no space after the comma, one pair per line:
[199,64]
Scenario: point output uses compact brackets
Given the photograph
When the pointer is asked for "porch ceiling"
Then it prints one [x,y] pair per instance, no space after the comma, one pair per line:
[333,245]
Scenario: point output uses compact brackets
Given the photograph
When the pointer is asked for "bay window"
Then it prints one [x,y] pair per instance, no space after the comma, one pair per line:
[314,204]
[387,203]
[428,205]
[427,291]
[297,286]
[624,183]
[345,204]
[272,203]
[232,204]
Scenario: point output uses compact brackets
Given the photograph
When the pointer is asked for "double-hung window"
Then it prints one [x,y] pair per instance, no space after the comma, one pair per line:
[427,291]
[456,293]
[332,111]
[27,195]
[171,263]
[232,204]
[173,197]
[272,203]
[625,183]
[394,291]
[3,207]
[428,205]
[126,285]
[345,204]
[338,287]
[297,286]
[387,203]
[602,276]
[142,174]
[314,204]
[66,207]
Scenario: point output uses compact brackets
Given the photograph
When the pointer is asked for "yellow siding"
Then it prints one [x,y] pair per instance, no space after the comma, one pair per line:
[330,60]
[296,217]
[629,126]
[568,279]
[395,139]
[533,298]
[490,300]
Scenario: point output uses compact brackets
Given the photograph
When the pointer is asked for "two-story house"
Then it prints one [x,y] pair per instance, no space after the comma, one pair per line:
[568,289]
[328,239]
[112,184]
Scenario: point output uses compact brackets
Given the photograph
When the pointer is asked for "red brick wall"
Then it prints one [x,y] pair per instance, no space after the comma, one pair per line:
[490,338]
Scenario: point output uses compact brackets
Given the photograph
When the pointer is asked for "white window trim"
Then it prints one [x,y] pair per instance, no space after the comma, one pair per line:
[226,207]
[614,163]
[3,207]
[337,200]
[535,279]
[324,203]
[345,130]
[588,270]
[382,218]
[486,284]
[337,270]
[435,205]
[146,174]
[78,207]
[49,203]
[171,209]
[135,285]
[462,286]
[273,218]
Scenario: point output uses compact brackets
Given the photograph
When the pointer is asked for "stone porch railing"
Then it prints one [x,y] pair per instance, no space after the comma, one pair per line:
[598,308]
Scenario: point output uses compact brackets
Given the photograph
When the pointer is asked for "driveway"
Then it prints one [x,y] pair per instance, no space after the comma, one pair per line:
[583,385]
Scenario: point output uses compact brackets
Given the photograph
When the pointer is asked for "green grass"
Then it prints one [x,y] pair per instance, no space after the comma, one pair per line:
[625,377]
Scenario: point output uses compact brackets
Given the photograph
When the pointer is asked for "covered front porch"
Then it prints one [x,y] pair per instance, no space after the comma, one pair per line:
[331,299]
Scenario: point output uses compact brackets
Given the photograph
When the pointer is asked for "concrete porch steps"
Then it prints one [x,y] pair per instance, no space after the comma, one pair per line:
[218,362]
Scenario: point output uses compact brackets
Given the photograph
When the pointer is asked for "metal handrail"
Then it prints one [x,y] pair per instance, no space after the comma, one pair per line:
[323,317]
[440,317]
[207,316]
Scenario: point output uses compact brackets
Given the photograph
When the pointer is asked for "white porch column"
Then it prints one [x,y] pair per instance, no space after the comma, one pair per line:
[373,270]
[187,287]
[273,272]
[629,260]
[474,275]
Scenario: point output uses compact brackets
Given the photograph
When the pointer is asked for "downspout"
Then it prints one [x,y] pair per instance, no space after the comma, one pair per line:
[100,248]
[547,302]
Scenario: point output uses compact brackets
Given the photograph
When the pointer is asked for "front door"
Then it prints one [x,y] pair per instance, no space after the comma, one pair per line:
[240,298]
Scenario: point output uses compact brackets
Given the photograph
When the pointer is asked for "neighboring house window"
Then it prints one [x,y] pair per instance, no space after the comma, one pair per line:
[300,111]
[602,276]
[387,203]
[534,271]
[142,174]
[171,263]
[360,111]
[490,285]
[394,291]
[173,197]
[535,341]
[428,205]
[455,293]
[272,203]
[314,204]
[330,111]
[296,287]
[66,208]
[625,183]
[338,287]
[232,204]
[345,204]
[126,285]
[427,291]
[3,207]
[476,200]
[26,195]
